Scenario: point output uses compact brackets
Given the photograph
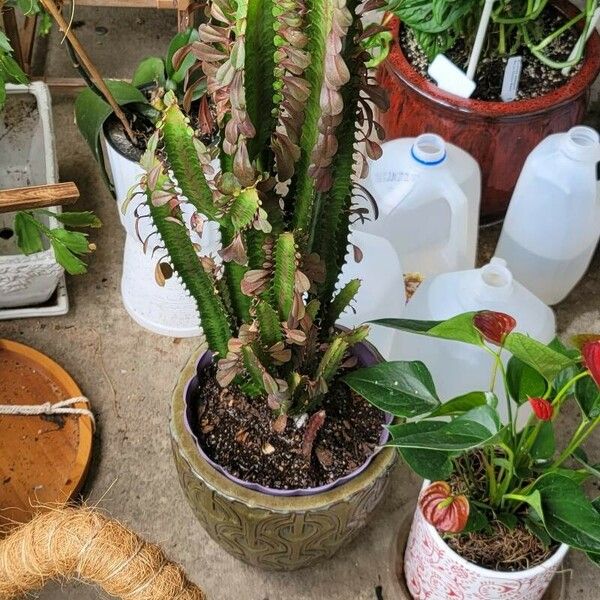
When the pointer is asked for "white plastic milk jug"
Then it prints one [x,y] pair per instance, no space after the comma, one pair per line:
[457,367]
[428,194]
[553,221]
[382,292]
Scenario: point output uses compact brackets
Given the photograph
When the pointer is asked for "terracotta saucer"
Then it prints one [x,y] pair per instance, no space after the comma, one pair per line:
[558,589]
[43,459]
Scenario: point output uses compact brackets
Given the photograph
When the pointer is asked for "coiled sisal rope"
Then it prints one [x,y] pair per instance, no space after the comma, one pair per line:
[81,543]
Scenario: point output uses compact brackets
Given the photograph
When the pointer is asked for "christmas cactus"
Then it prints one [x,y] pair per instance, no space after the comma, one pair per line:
[293,103]
[485,471]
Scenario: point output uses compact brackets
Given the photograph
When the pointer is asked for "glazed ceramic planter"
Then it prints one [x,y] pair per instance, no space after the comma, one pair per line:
[499,135]
[270,531]
[433,571]
[27,157]
[167,310]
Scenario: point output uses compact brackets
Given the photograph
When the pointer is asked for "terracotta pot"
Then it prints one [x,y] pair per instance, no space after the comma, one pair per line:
[499,135]
[265,530]
[434,571]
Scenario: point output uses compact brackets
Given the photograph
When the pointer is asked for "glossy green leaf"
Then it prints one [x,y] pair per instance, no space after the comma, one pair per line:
[410,325]
[535,526]
[459,328]
[477,520]
[150,70]
[462,404]
[569,352]
[473,429]
[509,520]
[402,388]
[28,234]
[549,363]
[429,464]
[524,381]
[587,395]
[544,445]
[179,41]
[569,516]
[91,112]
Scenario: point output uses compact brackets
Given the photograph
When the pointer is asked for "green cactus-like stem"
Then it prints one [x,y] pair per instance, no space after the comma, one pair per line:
[285,274]
[332,359]
[183,159]
[200,284]
[259,77]
[302,188]
[253,366]
[330,225]
[341,302]
[268,324]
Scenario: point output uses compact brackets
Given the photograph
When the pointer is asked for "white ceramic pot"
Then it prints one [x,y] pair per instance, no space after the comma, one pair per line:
[167,310]
[27,157]
[434,571]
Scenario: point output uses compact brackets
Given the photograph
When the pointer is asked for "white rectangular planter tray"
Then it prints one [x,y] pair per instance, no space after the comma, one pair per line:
[27,157]
[59,305]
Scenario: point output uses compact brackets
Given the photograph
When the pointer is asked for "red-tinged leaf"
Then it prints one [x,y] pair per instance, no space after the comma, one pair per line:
[315,422]
[446,512]
[542,408]
[235,252]
[494,326]
[591,359]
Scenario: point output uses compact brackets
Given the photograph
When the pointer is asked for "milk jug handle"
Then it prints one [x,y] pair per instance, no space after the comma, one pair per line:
[459,209]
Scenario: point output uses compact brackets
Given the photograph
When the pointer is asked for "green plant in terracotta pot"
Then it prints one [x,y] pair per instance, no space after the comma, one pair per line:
[505,504]
[558,48]
[278,458]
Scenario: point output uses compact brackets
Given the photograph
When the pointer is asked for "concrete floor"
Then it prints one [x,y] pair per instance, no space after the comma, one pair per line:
[128,374]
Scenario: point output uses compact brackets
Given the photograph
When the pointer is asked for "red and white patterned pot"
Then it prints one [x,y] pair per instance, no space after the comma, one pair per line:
[434,571]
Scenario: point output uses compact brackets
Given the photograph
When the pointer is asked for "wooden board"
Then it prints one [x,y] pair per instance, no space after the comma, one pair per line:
[43,459]
[38,196]
[558,589]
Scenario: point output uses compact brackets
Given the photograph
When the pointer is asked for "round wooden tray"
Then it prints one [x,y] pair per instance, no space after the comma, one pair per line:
[43,459]
[558,590]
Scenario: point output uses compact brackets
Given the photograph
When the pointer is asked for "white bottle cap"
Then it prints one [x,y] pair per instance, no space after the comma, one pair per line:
[450,78]
[429,149]
[496,281]
[582,143]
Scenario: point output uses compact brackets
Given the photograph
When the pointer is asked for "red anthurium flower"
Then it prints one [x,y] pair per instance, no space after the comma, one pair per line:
[542,408]
[446,512]
[494,326]
[591,359]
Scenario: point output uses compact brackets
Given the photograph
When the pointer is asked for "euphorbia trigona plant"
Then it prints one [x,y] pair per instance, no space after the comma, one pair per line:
[293,102]
[492,471]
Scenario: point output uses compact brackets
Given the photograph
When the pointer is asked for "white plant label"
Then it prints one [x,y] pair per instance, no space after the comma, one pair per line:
[512,75]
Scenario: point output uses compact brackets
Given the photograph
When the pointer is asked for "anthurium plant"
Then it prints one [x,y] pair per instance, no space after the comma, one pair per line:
[293,101]
[440,24]
[485,470]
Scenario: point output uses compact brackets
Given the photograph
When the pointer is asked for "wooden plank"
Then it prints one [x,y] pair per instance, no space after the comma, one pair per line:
[40,196]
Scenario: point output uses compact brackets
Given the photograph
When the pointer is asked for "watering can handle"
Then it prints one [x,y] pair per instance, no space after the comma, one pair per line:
[459,219]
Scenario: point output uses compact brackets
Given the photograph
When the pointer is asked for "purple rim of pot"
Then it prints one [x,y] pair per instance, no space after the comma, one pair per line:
[366,357]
